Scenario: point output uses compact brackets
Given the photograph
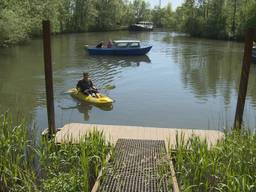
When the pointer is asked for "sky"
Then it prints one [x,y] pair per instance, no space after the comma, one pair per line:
[175,3]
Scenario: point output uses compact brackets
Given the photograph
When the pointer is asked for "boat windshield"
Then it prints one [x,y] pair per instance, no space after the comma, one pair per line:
[145,23]
[126,44]
[135,44]
[121,45]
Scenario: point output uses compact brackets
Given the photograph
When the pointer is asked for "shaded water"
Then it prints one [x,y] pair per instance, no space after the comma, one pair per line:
[183,82]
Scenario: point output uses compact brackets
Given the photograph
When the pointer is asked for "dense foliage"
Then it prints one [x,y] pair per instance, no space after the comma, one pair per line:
[20,20]
[228,166]
[26,165]
[220,19]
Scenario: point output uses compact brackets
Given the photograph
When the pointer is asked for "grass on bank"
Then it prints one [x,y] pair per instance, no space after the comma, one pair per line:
[31,164]
[229,166]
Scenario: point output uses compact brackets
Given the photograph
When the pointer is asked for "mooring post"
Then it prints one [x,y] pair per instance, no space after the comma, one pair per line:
[48,76]
[244,78]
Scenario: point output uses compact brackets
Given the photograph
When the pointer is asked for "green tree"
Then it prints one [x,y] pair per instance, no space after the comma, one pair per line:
[163,17]
[219,19]
[142,10]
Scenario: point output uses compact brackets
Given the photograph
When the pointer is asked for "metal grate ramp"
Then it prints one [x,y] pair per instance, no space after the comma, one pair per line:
[135,167]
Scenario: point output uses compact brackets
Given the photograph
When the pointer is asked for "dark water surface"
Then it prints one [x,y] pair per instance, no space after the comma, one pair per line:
[183,82]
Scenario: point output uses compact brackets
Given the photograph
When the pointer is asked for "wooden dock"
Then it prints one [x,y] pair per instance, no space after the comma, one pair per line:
[73,132]
[137,151]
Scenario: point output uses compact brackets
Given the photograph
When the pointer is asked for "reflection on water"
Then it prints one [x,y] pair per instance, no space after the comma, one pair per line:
[211,68]
[182,82]
[123,61]
[85,108]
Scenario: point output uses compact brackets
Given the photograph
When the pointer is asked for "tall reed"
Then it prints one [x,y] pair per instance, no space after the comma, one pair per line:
[16,165]
[228,166]
[29,165]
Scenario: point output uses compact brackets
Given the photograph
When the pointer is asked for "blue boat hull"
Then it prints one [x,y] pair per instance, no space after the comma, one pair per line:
[119,51]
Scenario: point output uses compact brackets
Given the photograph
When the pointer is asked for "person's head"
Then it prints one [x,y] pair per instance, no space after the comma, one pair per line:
[86,75]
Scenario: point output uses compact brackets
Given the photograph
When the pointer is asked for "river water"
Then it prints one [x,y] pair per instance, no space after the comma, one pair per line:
[182,82]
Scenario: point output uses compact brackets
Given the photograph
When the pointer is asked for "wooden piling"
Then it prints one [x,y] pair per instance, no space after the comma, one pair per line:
[244,77]
[48,76]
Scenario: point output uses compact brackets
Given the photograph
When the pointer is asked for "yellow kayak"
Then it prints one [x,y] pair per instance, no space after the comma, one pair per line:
[103,99]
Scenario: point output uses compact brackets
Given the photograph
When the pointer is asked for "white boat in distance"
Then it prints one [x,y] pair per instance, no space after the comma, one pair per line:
[142,26]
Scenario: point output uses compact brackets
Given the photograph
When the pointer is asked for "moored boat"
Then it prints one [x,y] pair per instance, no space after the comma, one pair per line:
[142,26]
[121,47]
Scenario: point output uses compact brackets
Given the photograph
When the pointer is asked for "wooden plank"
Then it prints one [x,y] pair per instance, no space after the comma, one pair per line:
[74,131]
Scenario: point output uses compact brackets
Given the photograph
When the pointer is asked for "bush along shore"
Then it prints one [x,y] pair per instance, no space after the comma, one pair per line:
[30,164]
[215,19]
[229,166]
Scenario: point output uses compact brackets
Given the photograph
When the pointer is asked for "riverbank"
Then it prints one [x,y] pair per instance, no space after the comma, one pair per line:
[215,20]
[32,164]
[27,39]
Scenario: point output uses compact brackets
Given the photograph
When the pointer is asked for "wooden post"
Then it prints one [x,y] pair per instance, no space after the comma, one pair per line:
[48,76]
[244,78]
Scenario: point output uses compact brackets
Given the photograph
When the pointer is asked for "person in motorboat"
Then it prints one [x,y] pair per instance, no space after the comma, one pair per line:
[110,44]
[100,45]
[86,86]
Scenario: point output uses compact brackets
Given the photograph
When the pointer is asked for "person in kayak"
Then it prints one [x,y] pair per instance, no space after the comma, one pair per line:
[86,86]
